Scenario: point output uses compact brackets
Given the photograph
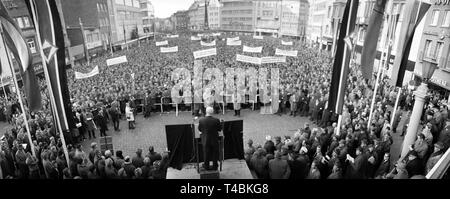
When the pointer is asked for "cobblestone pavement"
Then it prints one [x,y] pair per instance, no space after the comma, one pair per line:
[151,131]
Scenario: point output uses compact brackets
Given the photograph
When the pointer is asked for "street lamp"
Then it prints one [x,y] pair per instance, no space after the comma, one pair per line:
[420,94]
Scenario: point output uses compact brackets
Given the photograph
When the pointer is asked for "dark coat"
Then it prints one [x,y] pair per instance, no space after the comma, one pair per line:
[260,166]
[111,173]
[299,167]
[269,146]
[279,169]
[137,161]
[210,127]
[129,169]
[384,168]
[357,168]
[414,167]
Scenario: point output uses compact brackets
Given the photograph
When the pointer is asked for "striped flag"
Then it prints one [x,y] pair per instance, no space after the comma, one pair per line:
[413,15]
[50,31]
[342,58]
[12,35]
[371,40]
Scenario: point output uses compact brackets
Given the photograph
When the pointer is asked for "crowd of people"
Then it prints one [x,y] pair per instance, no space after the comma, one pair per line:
[352,150]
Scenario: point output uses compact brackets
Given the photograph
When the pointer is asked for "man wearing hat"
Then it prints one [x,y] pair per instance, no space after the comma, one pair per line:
[128,167]
[209,128]
[434,158]
[278,143]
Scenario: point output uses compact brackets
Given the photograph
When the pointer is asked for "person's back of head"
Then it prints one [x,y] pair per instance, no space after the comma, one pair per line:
[139,153]
[209,111]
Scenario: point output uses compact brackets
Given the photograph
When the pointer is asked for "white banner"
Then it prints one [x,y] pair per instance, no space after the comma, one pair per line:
[173,36]
[213,43]
[248,59]
[194,38]
[117,60]
[162,43]
[291,53]
[252,49]
[216,34]
[258,37]
[79,75]
[200,35]
[269,60]
[169,49]
[234,43]
[233,39]
[205,53]
[286,43]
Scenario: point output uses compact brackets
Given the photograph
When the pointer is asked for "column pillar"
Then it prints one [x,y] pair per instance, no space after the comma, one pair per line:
[414,120]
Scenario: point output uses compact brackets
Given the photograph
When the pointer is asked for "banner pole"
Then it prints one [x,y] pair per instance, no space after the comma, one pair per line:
[19,95]
[47,78]
[380,66]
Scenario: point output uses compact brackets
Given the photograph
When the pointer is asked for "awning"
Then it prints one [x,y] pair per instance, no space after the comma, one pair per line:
[441,78]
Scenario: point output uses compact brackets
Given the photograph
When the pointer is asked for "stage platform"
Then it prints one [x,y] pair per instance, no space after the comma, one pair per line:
[231,169]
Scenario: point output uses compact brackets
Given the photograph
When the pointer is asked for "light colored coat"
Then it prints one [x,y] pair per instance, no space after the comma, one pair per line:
[129,114]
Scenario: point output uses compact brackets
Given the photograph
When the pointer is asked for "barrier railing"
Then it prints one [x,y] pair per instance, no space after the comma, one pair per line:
[440,167]
[189,103]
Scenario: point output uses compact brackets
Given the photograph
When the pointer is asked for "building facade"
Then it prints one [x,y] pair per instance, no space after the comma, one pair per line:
[268,14]
[237,16]
[181,20]
[125,20]
[434,47]
[148,15]
[96,25]
[335,11]
[214,7]
[197,16]
[396,8]
[294,18]
[18,11]
[164,25]
[317,21]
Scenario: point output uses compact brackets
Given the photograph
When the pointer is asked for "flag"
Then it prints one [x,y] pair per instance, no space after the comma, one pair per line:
[342,58]
[391,36]
[413,16]
[13,38]
[50,30]
[371,40]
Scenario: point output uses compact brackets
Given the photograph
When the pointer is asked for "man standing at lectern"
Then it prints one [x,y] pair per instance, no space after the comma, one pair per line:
[209,128]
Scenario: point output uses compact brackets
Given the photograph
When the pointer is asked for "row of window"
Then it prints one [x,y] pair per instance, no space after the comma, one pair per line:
[236,19]
[237,12]
[101,7]
[434,52]
[267,13]
[213,14]
[23,22]
[237,27]
[128,15]
[133,3]
[237,4]
[267,4]
[445,18]
[104,22]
